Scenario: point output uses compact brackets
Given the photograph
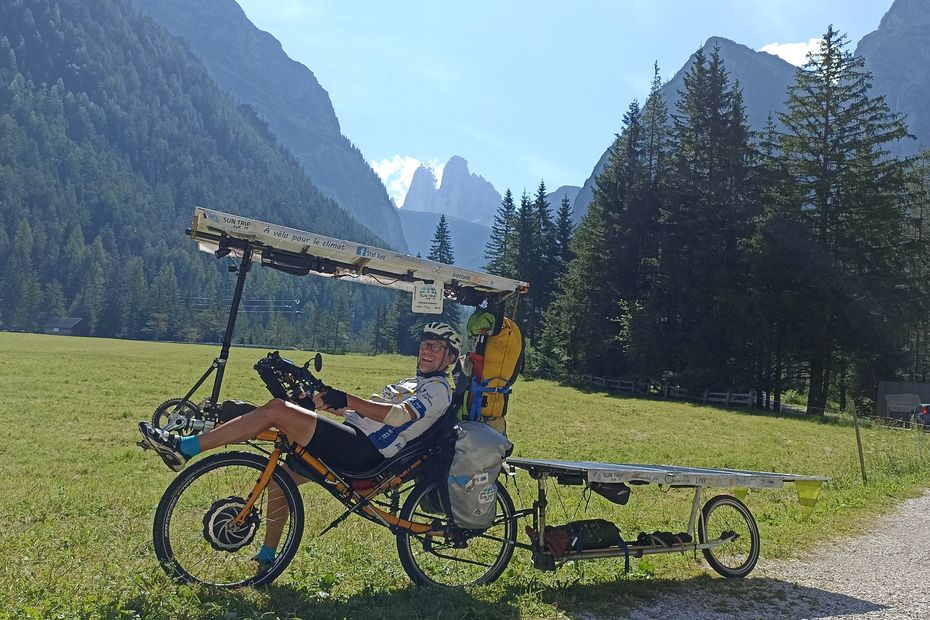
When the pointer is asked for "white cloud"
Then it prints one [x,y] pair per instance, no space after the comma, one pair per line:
[795,53]
[396,173]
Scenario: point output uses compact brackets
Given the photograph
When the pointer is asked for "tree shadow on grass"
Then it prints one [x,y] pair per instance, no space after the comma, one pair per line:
[703,597]
[291,601]
[635,599]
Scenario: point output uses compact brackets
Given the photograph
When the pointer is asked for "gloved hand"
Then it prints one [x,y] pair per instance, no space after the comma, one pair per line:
[334,399]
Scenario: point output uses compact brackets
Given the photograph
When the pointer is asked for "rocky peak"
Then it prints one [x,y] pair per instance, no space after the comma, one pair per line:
[422,193]
[462,194]
[906,14]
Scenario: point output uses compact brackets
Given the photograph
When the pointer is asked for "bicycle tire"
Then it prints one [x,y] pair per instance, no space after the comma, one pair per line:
[184,499]
[426,568]
[739,517]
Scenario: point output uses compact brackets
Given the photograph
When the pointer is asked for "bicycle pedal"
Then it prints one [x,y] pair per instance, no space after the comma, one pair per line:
[143,444]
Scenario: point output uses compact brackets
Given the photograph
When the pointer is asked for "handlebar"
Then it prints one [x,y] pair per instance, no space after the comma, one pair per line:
[288,381]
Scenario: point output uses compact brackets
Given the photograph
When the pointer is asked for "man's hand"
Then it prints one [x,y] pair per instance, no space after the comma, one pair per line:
[306,402]
[331,398]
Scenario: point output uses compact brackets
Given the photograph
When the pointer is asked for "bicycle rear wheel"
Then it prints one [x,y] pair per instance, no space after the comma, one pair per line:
[195,540]
[457,558]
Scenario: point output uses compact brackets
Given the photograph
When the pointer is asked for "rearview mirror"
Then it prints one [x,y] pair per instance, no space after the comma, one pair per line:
[318,362]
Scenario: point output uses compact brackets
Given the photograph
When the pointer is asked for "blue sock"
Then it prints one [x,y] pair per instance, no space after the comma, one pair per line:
[265,555]
[190,445]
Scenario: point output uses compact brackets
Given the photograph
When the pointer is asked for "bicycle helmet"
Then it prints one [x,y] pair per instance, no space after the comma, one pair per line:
[442,331]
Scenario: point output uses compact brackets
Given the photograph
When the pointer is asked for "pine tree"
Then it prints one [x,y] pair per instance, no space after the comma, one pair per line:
[582,324]
[405,340]
[641,319]
[564,229]
[54,300]
[852,206]
[546,266]
[708,212]
[525,235]
[383,331]
[20,290]
[441,251]
[164,298]
[500,251]
[656,130]
[772,294]
[575,325]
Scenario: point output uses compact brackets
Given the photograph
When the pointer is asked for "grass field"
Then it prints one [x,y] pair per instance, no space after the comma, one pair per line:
[75,520]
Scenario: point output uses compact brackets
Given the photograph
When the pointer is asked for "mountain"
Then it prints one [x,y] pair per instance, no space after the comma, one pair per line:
[111,132]
[422,194]
[251,65]
[898,55]
[567,191]
[555,199]
[468,239]
[462,194]
[763,77]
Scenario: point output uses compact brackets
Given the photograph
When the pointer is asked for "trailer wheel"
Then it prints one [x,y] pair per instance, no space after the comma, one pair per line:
[727,520]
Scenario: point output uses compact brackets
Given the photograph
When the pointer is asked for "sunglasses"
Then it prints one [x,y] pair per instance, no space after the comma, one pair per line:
[435,347]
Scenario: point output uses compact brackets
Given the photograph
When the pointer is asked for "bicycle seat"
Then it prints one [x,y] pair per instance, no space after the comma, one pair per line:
[431,438]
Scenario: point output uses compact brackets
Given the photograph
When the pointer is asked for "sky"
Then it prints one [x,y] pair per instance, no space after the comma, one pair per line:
[526,91]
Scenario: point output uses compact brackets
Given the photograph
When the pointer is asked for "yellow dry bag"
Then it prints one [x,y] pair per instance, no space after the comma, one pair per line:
[503,361]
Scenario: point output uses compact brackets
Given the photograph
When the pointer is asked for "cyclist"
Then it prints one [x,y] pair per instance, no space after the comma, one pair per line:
[374,429]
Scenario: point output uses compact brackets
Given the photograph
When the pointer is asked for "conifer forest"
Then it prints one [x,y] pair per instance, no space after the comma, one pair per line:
[711,256]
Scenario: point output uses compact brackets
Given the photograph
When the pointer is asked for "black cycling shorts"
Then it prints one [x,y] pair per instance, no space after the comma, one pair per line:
[342,446]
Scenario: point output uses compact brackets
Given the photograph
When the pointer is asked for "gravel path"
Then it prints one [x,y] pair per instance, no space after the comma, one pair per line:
[883,574]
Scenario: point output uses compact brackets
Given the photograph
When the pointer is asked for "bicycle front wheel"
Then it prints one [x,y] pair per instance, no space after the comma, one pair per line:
[195,538]
[457,558]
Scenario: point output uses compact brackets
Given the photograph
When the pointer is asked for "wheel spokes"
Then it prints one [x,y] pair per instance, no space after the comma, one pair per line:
[727,524]
[189,535]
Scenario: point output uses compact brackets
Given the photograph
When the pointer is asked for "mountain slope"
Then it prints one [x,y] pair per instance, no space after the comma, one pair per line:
[251,65]
[898,55]
[110,133]
[764,79]
[565,191]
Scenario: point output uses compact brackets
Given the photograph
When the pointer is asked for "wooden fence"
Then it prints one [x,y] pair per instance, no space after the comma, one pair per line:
[728,399]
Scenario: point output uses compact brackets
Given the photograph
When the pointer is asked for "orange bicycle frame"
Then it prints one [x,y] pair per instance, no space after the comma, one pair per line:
[343,490]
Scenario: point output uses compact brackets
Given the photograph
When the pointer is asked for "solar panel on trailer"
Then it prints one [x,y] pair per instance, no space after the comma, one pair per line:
[662,474]
[364,263]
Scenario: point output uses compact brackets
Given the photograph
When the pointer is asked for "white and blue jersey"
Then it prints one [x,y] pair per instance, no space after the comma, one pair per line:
[428,397]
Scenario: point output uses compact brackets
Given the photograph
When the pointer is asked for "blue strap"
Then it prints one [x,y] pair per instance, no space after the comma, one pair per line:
[477,389]
[626,554]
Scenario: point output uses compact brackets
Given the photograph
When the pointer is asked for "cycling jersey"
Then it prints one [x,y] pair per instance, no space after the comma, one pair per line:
[427,397]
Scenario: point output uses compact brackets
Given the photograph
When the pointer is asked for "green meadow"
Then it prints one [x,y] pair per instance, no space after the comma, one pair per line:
[76,513]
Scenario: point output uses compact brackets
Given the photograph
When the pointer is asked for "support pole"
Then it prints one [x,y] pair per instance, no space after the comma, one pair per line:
[220,362]
[865,479]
